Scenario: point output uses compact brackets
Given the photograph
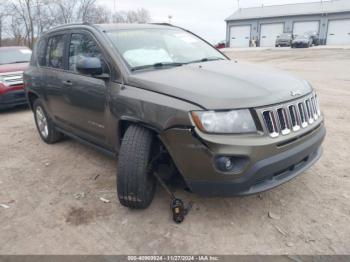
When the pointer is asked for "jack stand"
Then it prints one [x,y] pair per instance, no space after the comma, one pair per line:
[176,205]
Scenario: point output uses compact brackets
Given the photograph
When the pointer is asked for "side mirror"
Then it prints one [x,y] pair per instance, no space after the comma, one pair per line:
[89,66]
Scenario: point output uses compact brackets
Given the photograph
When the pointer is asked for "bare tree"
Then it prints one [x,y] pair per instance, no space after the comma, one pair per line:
[3,14]
[64,11]
[139,16]
[23,8]
[98,15]
[24,20]
[85,9]
[119,17]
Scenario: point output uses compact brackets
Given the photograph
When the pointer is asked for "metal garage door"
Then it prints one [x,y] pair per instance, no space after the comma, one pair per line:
[338,32]
[269,33]
[299,28]
[240,36]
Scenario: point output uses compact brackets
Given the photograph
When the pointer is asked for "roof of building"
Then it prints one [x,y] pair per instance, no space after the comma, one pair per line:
[333,6]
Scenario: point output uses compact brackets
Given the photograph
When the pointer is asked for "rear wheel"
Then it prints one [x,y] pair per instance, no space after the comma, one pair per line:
[45,126]
[135,183]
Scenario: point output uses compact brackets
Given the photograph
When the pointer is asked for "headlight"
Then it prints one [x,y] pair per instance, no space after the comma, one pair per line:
[227,122]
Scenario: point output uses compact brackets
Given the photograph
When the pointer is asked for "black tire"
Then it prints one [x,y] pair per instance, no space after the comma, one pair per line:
[135,184]
[53,135]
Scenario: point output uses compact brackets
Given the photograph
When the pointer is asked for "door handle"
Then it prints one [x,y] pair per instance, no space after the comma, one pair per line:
[67,83]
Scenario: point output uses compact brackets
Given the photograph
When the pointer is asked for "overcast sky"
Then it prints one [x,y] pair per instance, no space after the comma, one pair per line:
[203,17]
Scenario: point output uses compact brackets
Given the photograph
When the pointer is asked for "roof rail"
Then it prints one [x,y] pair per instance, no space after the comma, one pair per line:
[69,24]
[162,24]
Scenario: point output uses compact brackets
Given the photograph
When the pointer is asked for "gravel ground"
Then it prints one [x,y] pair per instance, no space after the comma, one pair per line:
[53,192]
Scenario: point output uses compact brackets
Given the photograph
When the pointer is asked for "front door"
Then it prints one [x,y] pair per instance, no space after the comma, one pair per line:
[85,95]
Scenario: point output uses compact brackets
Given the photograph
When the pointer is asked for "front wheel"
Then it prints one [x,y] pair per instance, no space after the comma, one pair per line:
[45,126]
[135,183]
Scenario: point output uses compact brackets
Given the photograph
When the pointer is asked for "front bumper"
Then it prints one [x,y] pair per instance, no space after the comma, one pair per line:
[300,44]
[12,98]
[268,165]
[284,43]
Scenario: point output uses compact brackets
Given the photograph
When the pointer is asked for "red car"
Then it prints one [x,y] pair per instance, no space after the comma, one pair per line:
[221,44]
[13,61]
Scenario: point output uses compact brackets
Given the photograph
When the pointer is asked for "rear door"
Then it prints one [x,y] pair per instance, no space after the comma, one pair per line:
[85,95]
[53,72]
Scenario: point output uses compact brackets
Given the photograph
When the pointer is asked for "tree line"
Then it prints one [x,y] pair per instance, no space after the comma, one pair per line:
[22,21]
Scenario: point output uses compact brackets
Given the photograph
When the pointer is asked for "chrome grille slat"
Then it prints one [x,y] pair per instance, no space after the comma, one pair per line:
[13,78]
[309,111]
[303,116]
[290,117]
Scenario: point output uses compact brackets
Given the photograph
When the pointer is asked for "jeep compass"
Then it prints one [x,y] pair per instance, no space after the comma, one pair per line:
[165,102]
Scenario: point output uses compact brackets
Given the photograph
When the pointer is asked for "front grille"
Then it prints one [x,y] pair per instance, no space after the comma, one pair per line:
[291,117]
[13,78]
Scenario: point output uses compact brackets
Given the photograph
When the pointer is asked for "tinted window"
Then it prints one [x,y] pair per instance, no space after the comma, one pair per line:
[55,52]
[40,52]
[83,45]
[13,56]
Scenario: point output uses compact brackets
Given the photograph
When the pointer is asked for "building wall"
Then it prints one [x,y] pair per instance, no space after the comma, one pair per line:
[288,24]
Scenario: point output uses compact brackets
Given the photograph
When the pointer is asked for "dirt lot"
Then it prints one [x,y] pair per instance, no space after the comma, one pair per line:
[47,215]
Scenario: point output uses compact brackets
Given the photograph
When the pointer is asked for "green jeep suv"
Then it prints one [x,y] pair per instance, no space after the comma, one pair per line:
[161,99]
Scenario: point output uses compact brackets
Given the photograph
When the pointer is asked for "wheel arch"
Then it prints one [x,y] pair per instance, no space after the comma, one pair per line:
[31,97]
[125,122]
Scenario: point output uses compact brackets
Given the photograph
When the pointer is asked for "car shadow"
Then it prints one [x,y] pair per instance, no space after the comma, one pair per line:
[15,109]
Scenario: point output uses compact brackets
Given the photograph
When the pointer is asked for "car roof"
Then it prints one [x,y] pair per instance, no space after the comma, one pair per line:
[8,48]
[111,27]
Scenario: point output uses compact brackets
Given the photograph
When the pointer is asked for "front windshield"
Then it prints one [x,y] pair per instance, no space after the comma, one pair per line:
[285,35]
[13,56]
[302,37]
[142,48]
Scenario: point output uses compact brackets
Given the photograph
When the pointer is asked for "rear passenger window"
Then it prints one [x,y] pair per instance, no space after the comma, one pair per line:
[55,52]
[83,45]
[40,52]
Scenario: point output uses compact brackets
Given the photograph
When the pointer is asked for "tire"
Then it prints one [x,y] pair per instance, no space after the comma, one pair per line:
[135,185]
[51,134]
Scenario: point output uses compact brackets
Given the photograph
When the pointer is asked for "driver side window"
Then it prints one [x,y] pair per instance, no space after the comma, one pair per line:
[83,45]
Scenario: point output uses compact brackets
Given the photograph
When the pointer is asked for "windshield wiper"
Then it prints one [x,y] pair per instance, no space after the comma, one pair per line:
[156,65]
[206,59]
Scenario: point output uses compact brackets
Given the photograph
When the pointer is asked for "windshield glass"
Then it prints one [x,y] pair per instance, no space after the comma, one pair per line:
[285,36]
[142,48]
[13,56]
[302,37]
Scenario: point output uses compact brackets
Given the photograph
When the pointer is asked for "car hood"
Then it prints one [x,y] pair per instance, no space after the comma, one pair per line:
[222,84]
[283,39]
[13,67]
[303,40]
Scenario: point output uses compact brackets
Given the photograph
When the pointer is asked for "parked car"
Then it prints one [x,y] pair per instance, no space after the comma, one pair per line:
[284,39]
[13,61]
[315,37]
[304,41]
[167,102]
[221,44]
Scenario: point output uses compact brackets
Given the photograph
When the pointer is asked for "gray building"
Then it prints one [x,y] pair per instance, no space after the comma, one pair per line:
[330,19]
